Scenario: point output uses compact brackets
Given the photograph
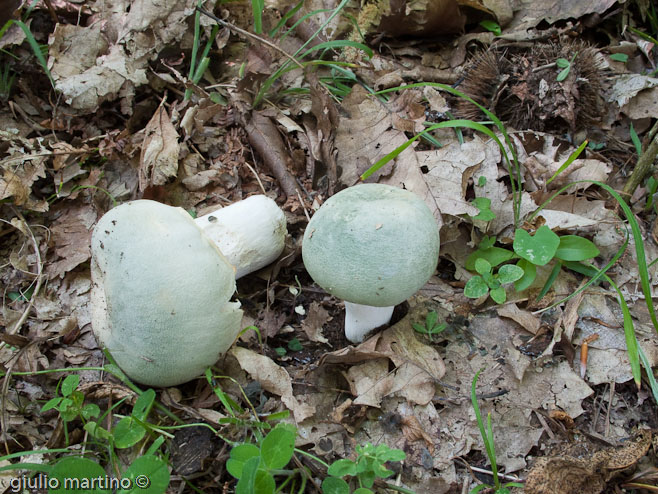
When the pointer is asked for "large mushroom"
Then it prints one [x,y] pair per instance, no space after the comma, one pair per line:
[161,287]
[372,245]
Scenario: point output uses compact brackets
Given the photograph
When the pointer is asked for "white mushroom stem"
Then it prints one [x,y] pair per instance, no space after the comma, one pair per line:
[250,233]
[361,319]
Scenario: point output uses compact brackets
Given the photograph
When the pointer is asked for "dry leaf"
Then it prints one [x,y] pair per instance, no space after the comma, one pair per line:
[159,159]
[71,237]
[317,317]
[580,469]
[272,378]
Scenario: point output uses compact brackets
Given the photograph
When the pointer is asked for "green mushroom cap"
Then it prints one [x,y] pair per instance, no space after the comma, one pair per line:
[372,244]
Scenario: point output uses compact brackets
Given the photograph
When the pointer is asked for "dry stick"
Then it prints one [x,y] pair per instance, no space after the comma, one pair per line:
[236,29]
[644,164]
[39,276]
[265,139]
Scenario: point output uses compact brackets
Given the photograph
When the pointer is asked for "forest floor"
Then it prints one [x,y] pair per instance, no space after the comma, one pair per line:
[150,99]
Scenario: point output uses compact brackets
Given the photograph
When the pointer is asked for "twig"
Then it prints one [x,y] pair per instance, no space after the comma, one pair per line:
[644,164]
[265,139]
[39,276]
[235,28]
[257,177]
[500,475]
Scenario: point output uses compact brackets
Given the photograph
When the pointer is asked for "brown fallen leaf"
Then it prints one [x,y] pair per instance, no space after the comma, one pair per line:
[316,318]
[272,378]
[413,431]
[159,158]
[418,367]
[580,469]
[71,238]
[526,319]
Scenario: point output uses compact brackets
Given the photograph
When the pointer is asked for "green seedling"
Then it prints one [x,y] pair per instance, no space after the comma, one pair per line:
[491,26]
[488,282]
[7,77]
[70,404]
[636,140]
[37,49]
[368,466]
[565,65]
[532,251]
[484,206]
[432,326]
[295,345]
[489,446]
[199,64]
[255,466]
[78,474]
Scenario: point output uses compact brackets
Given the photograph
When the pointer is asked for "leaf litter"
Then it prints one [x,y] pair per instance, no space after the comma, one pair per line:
[398,387]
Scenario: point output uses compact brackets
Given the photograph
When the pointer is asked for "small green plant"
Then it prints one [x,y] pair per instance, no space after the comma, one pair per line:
[489,446]
[37,49]
[565,65]
[199,64]
[7,76]
[146,473]
[70,404]
[432,326]
[488,282]
[491,26]
[531,251]
[484,206]
[368,466]
[256,465]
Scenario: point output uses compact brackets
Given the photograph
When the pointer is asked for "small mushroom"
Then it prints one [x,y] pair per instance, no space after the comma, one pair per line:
[372,245]
[161,287]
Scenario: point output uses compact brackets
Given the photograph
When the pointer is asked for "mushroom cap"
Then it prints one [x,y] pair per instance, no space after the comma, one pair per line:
[372,244]
[160,293]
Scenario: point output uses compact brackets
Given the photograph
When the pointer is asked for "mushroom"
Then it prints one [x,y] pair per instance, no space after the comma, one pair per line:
[161,287]
[372,245]
[250,233]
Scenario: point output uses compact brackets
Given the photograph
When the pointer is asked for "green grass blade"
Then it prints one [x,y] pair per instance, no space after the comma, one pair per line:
[644,36]
[570,160]
[647,367]
[629,335]
[257,7]
[270,80]
[285,18]
[341,43]
[441,125]
[512,164]
[36,49]
[551,279]
[636,141]
[487,438]
[302,19]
